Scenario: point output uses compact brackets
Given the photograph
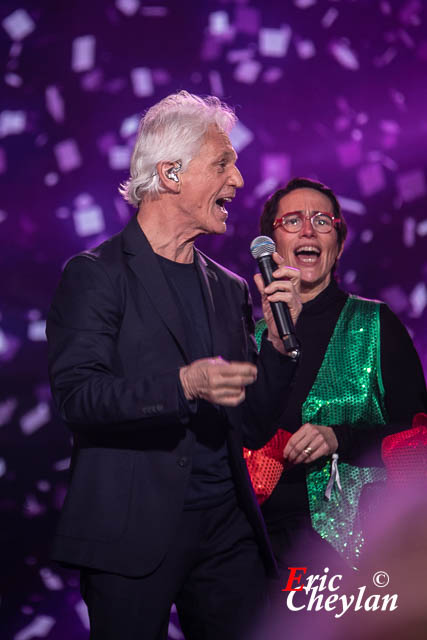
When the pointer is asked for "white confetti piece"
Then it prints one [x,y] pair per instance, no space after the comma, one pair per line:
[18,24]
[247,71]
[7,409]
[240,136]
[55,103]
[83,53]
[276,165]
[350,276]
[385,58]
[32,507]
[35,419]
[352,206]
[418,299]
[174,632]
[266,187]
[13,80]
[273,74]
[344,55]
[43,485]
[239,55]
[371,179]
[51,179]
[218,23]
[409,227]
[215,81]
[329,18]
[38,628]
[128,7]
[9,345]
[411,185]
[305,49]
[15,50]
[67,155]
[142,82]
[422,228]
[129,126]
[12,123]
[304,4]
[119,157]
[274,42]
[51,580]
[89,221]
[62,465]
[366,235]
[81,609]
[36,331]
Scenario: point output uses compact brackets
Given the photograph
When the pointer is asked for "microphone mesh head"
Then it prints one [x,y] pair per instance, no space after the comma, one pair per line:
[262,246]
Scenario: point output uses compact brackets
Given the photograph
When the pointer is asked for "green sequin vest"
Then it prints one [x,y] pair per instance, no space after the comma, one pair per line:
[348,389]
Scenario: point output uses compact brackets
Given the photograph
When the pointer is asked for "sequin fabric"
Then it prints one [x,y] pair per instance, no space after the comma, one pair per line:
[348,390]
[405,455]
[266,465]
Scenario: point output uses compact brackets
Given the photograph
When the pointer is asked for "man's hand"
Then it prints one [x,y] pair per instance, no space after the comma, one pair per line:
[286,288]
[310,442]
[217,381]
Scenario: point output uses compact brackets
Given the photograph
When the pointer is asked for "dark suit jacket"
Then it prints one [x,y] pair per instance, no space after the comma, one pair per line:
[116,343]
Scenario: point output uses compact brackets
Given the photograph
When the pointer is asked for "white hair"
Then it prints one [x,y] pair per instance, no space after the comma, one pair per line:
[171,131]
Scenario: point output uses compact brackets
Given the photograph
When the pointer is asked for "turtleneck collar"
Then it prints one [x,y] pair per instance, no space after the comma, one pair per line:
[324,299]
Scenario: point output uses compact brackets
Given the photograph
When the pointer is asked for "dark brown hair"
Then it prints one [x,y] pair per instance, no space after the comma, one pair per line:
[270,208]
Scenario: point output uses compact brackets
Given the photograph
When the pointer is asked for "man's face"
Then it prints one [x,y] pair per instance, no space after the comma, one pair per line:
[312,252]
[209,182]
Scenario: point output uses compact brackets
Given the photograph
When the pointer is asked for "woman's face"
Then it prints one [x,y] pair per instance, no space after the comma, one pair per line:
[313,253]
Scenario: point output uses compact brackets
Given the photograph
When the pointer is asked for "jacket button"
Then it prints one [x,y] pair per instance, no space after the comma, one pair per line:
[182,462]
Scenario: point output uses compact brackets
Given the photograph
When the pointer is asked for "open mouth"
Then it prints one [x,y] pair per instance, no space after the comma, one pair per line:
[307,254]
[220,202]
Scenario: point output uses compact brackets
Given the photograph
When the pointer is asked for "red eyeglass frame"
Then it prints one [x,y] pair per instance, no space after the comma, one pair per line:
[279,222]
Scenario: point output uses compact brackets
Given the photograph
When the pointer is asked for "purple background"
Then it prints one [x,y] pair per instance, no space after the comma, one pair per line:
[333,90]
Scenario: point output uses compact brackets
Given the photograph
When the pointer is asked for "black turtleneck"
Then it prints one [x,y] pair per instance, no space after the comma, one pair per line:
[405,395]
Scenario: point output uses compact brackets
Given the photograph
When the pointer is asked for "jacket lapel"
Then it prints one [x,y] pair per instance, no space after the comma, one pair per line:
[143,262]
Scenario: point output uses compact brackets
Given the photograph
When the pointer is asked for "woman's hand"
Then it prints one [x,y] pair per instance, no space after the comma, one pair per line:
[310,442]
[285,288]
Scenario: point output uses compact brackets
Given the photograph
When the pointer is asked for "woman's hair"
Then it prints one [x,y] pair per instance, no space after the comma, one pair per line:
[270,208]
[170,131]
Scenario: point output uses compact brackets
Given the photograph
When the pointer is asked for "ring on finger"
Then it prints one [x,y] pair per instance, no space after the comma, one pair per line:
[308,450]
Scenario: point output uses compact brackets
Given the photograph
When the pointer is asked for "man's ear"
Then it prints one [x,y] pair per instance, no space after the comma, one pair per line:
[168,175]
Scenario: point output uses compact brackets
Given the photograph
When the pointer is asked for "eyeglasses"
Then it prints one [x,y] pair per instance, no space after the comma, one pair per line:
[294,220]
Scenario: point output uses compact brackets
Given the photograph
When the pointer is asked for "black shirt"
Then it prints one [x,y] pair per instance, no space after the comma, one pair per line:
[211,480]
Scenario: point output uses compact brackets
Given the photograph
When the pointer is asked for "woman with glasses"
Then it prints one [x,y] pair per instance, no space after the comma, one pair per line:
[359,379]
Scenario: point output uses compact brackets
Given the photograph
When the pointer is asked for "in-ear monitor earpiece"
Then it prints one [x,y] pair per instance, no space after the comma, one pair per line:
[171,173]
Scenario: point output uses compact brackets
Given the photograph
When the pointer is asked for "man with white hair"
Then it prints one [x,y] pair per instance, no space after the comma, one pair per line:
[154,369]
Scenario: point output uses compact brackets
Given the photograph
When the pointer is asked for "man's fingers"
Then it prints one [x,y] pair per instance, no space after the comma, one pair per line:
[243,370]
[217,381]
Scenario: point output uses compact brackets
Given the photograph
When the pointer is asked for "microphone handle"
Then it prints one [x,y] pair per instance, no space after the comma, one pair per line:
[280,310]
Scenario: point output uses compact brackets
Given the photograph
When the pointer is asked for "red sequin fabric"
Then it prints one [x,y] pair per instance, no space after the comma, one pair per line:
[405,454]
[265,465]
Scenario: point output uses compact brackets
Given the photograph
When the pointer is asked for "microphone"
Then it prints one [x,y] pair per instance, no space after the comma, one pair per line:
[262,249]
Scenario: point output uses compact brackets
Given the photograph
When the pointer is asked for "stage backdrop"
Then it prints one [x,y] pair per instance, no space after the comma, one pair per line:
[333,90]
